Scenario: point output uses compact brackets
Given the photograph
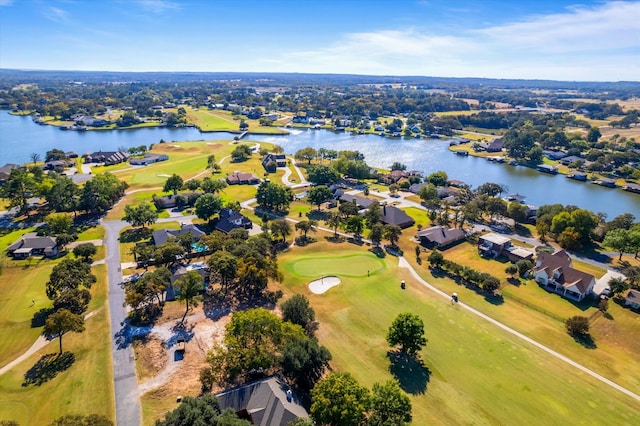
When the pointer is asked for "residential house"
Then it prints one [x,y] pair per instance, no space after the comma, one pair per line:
[106,157]
[416,187]
[181,270]
[493,245]
[161,236]
[279,159]
[31,244]
[554,155]
[242,178]
[361,202]
[393,177]
[148,159]
[268,402]
[632,299]
[495,145]
[395,216]
[631,187]
[581,176]
[547,168]
[5,171]
[609,183]
[57,164]
[440,237]
[170,201]
[567,161]
[556,273]
[229,220]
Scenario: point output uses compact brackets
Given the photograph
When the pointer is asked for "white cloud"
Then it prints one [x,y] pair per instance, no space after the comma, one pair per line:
[159,6]
[597,43]
[57,15]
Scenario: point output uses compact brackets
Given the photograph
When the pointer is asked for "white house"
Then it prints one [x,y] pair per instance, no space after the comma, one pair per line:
[555,272]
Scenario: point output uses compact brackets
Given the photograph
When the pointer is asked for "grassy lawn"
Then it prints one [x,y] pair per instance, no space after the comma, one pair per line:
[212,120]
[84,388]
[125,247]
[468,363]
[134,199]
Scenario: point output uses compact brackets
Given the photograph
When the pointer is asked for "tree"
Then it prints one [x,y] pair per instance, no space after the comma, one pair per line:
[322,175]
[523,266]
[338,399]
[577,326]
[398,166]
[70,278]
[297,311]
[225,266]
[174,183]
[517,212]
[241,153]
[373,215]
[355,225]
[392,233]
[438,178]
[511,269]
[491,189]
[55,154]
[304,362]
[167,254]
[208,205]
[490,283]
[85,250]
[213,186]
[593,135]
[62,196]
[389,405]
[141,215]
[35,157]
[407,330]
[201,411]
[100,193]
[306,154]
[376,233]
[189,285]
[305,226]
[436,259]
[62,322]
[18,188]
[272,196]
[319,194]
[617,239]
[58,223]
[429,196]
[618,286]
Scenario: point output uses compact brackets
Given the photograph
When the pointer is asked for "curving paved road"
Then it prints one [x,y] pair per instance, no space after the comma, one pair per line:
[128,409]
[404,264]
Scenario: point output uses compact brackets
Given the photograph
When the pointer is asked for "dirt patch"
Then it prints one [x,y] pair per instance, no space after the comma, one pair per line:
[151,357]
[213,144]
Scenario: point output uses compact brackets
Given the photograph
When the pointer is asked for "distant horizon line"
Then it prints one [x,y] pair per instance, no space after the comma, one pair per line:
[315,74]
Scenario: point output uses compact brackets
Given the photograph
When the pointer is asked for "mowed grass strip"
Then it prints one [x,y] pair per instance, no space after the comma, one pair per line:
[475,372]
[84,388]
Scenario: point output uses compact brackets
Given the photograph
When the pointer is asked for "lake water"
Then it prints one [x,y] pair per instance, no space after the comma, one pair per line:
[19,137]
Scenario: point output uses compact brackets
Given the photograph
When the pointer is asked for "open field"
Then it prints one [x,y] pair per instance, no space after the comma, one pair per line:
[86,387]
[469,365]
[223,121]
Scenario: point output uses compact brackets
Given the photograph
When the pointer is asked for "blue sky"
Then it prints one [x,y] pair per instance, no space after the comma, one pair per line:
[541,39]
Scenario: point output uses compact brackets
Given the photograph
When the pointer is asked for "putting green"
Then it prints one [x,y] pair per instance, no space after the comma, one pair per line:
[355,265]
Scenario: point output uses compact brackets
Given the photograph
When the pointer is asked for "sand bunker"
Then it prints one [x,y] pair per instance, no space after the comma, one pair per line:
[163,175]
[323,284]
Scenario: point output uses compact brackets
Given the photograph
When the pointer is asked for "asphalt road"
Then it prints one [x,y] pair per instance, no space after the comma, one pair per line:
[128,409]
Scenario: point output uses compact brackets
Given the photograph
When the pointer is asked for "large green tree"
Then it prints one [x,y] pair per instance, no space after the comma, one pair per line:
[389,405]
[322,175]
[618,239]
[319,194]
[61,322]
[338,399]
[189,286]
[202,411]
[298,311]
[140,215]
[173,184]
[101,193]
[272,196]
[306,154]
[207,206]
[407,331]
[68,285]
[304,361]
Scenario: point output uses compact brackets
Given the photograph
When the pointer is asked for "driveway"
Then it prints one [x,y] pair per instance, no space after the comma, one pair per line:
[603,283]
[128,409]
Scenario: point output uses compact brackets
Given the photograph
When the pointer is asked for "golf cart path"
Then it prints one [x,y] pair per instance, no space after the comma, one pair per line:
[402,262]
[40,343]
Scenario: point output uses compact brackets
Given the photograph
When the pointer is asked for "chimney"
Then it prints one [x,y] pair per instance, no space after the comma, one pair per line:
[384,210]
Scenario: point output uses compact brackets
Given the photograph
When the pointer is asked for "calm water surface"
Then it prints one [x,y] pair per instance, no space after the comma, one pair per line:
[19,137]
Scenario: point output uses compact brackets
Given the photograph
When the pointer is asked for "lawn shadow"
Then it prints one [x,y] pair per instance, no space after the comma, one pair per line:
[334,239]
[514,281]
[40,317]
[585,340]
[135,235]
[494,299]
[377,250]
[411,373]
[317,215]
[48,367]
[522,230]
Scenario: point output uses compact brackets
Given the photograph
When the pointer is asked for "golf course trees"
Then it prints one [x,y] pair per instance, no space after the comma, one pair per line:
[618,239]
[355,225]
[173,184]
[189,285]
[61,322]
[201,411]
[298,311]
[207,206]
[306,226]
[100,193]
[167,254]
[58,223]
[68,285]
[304,362]
[338,399]
[334,220]
[85,250]
[254,339]
[407,331]
[280,228]
[373,215]
[389,405]
[436,259]
[511,269]
[141,215]
[224,266]
[578,326]
[322,175]
[271,196]
[392,233]
[62,196]
[306,154]
[241,153]
[212,186]
[376,233]
[319,194]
